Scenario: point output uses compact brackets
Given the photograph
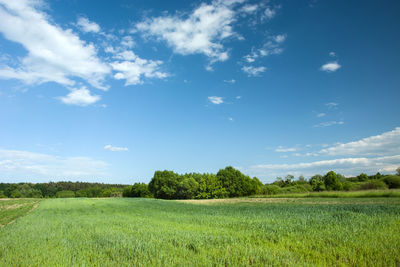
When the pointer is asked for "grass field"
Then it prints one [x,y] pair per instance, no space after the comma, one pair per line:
[143,232]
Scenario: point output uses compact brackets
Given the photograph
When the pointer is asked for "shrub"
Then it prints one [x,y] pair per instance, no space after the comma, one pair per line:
[2,195]
[373,184]
[392,181]
[270,189]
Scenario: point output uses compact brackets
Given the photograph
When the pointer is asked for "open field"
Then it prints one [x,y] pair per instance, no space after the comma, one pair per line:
[11,209]
[143,232]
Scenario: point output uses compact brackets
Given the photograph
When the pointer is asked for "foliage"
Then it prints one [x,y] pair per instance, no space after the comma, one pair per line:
[228,182]
[332,182]
[392,181]
[372,184]
[137,190]
[317,183]
[271,189]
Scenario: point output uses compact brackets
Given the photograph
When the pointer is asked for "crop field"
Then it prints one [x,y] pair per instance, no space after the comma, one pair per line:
[150,232]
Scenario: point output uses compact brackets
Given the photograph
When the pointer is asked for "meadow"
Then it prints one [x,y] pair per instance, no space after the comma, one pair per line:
[233,232]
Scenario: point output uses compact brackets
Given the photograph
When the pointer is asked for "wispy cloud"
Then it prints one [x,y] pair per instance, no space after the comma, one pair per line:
[346,166]
[54,54]
[329,123]
[115,148]
[272,47]
[230,81]
[253,71]
[216,99]
[331,105]
[387,143]
[320,115]
[282,149]
[87,26]
[38,167]
[80,97]
[331,66]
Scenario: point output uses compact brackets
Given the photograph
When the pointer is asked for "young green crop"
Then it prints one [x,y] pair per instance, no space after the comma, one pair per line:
[149,232]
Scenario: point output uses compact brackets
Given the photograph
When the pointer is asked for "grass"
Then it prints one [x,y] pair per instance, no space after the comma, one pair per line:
[338,194]
[149,232]
[11,209]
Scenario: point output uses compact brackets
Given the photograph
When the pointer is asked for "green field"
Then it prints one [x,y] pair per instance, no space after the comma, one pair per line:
[143,232]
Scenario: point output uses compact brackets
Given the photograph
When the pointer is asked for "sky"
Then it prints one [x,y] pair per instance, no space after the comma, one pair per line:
[111,91]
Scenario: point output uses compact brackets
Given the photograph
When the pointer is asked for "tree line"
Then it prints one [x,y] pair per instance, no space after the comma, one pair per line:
[228,182]
[60,189]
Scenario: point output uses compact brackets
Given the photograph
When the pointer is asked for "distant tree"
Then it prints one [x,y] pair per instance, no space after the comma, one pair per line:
[392,181]
[236,183]
[398,171]
[164,184]
[15,194]
[362,177]
[317,183]
[2,195]
[140,190]
[332,182]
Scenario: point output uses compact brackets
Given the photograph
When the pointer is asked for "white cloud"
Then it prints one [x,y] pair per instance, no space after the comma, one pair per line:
[271,47]
[387,143]
[332,54]
[216,100]
[128,42]
[238,97]
[345,166]
[249,8]
[331,66]
[230,119]
[201,32]
[80,97]
[320,115]
[87,26]
[253,71]
[54,54]
[329,123]
[331,105]
[115,148]
[37,167]
[282,149]
[132,68]
[269,13]
[230,81]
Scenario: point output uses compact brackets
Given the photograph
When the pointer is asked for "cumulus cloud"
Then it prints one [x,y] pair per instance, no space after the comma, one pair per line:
[253,71]
[132,68]
[345,166]
[87,26]
[269,13]
[387,143]
[216,100]
[80,97]
[53,54]
[115,148]
[331,66]
[38,167]
[201,32]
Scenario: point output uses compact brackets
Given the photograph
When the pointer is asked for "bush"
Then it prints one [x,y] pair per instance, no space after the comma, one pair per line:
[392,181]
[140,190]
[65,194]
[270,189]
[373,184]
[2,195]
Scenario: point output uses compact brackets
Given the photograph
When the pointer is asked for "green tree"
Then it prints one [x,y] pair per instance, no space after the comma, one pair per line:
[164,184]
[362,177]
[332,181]
[236,183]
[140,190]
[317,183]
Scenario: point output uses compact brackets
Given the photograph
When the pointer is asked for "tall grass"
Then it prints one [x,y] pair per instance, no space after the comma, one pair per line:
[149,232]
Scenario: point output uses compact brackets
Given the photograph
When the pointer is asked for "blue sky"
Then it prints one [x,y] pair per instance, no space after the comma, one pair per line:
[113,91]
